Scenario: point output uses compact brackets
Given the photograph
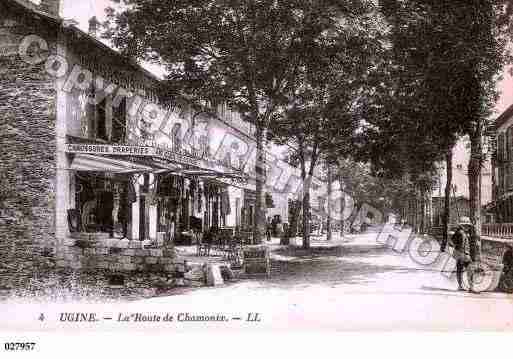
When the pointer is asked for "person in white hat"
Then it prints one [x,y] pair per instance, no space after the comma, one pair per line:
[465,252]
[459,240]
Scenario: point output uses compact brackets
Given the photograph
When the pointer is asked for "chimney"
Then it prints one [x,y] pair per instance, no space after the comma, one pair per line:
[52,7]
[93,26]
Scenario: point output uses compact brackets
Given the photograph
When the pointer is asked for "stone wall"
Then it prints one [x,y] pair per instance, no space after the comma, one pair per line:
[116,255]
[99,263]
[27,153]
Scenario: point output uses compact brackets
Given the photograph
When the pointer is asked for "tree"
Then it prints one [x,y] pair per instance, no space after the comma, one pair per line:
[456,67]
[305,127]
[329,232]
[366,187]
[327,106]
[425,104]
[246,53]
[485,53]
[395,138]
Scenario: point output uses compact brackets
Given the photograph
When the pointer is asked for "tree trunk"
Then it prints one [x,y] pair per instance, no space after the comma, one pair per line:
[415,212]
[411,210]
[429,210]
[422,213]
[474,177]
[306,215]
[342,207]
[259,219]
[328,220]
[294,209]
[447,203]
[418,210]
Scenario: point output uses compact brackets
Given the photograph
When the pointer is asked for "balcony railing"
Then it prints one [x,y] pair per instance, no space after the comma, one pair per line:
[499,230]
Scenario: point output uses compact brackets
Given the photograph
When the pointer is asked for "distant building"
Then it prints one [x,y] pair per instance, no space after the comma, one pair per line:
[502,191]
[460,192]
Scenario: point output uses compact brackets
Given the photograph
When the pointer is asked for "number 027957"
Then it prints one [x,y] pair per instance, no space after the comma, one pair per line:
[16,346]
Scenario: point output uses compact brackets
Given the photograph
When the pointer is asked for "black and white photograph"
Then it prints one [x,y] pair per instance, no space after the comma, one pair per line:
[242,165]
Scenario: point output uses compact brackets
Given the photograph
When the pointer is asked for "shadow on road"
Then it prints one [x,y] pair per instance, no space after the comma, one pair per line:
[344,250]
[330,265]
[326,271]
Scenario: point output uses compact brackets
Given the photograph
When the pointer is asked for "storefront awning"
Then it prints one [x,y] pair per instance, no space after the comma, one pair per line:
[92,163]
[132,159]
[213,174]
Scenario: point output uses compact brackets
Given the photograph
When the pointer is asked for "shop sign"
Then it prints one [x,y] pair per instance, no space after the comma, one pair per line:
[126,150]
[147,151]
[256,260]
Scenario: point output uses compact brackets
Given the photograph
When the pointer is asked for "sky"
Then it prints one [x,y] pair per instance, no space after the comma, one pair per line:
[83,10]
[506,89]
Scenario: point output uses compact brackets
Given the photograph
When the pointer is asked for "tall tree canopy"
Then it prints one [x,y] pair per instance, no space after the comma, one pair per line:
[326,109]
[437,84]
[248,53]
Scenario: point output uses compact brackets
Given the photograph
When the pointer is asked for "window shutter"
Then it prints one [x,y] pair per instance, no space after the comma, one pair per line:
[500,148]
[119,122]
[500,180]
[506,177]
[101,120]
[510,144]
[509,168]
[507,149]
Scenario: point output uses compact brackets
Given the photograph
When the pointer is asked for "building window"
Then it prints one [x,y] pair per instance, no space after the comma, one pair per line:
[459,167]
[500,148]
[101,121]
[119,122]
[97,124]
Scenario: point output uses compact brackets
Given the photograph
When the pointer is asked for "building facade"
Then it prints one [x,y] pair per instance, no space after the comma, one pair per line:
[460,192]
[88,180]
[502,191]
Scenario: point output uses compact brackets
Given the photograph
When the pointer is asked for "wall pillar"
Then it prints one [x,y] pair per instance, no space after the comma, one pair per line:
[152,225]
[62,176]
[134,225]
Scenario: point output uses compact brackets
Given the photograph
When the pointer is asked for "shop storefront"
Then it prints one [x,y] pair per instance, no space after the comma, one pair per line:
[133,192]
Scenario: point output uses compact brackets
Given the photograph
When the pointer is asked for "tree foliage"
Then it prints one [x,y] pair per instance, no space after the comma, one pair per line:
[262,57]
[249,54]
[436,84]
[325,111]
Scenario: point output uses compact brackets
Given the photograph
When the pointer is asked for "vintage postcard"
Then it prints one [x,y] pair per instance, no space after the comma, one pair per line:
[255,165]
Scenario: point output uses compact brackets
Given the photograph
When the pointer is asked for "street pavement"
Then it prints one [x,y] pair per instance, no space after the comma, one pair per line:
[350,283]
[357,282]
